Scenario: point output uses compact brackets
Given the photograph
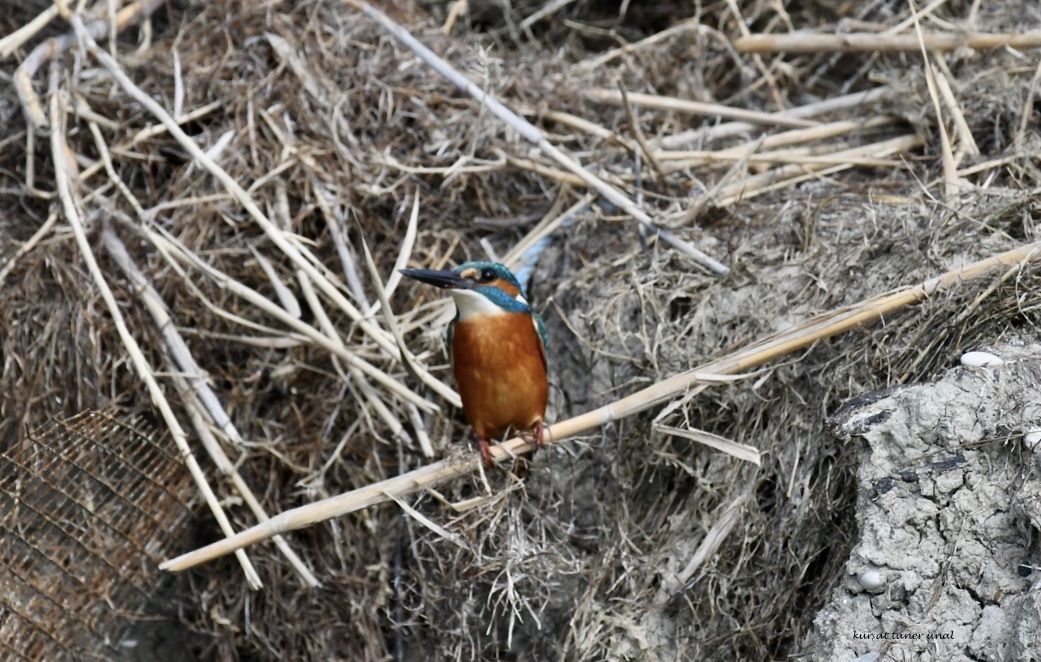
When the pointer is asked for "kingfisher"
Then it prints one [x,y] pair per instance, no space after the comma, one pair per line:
[497,347]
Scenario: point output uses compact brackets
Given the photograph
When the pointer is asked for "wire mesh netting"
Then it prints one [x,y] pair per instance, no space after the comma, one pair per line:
[88,506]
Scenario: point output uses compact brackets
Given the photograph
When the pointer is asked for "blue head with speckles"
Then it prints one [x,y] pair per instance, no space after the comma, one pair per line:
[479,289]
[496,283]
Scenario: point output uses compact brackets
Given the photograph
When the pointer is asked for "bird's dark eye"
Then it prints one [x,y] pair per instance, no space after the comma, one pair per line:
[488,275]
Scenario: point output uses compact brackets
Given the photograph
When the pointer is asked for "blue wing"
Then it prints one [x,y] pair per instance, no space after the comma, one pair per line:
[543,340]
[448,341]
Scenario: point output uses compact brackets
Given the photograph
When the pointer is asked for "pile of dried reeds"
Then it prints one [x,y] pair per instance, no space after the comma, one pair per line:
[214,199]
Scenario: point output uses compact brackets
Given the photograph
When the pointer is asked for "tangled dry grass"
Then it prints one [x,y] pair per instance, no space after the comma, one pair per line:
[253,326]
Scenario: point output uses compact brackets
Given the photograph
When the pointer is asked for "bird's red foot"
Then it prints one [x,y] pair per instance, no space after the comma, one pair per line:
[539,433]
[486,452]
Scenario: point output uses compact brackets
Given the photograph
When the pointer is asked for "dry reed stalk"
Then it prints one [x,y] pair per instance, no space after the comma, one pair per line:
[324,198]
[916,16]
[64,176]
[986,165]
[408,242]
[160,129]
[580,124]
[1026,117]
[950,168]
[736,170]
[637,132]
[966,142]
[785,176]
[832,105]
[546,227]
[542,12]
[700,108]
[531,133]
[521,163]
[766,72]
[796,157]
[599,61]
[14,41]
[713,539]
[815,42]
[768,349]
[742,452]
[110,170]
[409,360]
[38,236]
[285,296]
[55,46]
[458,9]
[197,394]
[457,168]
[177,255]
[785,138]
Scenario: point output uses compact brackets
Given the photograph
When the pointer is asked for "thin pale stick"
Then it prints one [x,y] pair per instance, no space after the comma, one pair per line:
[404,254]
[597,62]
[542,170]
[834,104]
[285,296]
[408,360]
[910,20]
[27,246]
[55,46]
[581,124]
[765,71]
[544,229]
[199,395]
[458,9]
[706,550]
[713,194]
[64,173]
[950,168]
[815,42]
[786,157]
[172,249]
[634,127]
[793,137]
[322,198]
[730,447]
[544,11]
[966,142]
[14,41]
[159,129]
[700,108]
[785,176]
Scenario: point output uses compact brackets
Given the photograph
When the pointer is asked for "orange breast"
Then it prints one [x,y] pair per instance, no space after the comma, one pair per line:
[501,373]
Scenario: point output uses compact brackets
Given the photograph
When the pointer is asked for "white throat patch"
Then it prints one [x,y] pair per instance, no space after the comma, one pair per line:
[474,304]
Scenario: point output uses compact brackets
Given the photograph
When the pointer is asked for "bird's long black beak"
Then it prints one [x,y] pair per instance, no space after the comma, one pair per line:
[446,280]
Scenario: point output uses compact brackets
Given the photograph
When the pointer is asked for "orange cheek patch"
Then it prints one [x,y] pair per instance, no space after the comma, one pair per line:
[508,288]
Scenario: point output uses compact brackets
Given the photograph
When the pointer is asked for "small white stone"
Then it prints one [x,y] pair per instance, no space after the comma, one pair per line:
[871,580]
[1032,439]
[980,360]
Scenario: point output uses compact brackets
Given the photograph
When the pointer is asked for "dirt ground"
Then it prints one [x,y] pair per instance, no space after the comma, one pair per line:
[189,211]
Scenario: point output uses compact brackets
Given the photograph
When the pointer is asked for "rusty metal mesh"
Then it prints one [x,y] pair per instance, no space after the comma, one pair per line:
[88,507]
